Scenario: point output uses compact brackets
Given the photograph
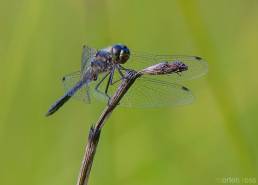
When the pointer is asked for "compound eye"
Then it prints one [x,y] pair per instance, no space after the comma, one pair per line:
[126,51]
[124,55]
[116,50]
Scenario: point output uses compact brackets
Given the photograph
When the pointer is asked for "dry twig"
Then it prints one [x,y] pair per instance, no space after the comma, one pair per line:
[94,134]
[95,130]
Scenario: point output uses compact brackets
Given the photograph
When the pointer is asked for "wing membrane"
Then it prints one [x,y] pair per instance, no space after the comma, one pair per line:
[70,80]
[87,54]
[197,67]
[149,92]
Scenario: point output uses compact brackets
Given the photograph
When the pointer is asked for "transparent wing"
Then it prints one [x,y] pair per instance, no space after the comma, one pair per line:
[149,92]
[70,80]
[197,67]
[87,54]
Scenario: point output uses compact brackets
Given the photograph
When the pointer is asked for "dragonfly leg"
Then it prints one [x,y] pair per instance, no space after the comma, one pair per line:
[100,82]
[122,68]
[121,74]
[110,80]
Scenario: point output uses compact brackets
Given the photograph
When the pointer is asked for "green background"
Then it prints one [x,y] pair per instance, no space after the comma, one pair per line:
[207,142]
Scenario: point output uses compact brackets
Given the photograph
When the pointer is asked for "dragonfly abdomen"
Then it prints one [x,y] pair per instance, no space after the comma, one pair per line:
[60,102]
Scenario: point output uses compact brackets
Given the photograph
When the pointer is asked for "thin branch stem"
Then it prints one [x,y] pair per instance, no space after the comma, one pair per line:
[95,130]
[94,135]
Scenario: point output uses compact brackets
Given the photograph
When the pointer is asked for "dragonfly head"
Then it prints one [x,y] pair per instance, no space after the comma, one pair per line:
[120,53]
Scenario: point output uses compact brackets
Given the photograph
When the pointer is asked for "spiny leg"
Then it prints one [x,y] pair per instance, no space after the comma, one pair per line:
[120,73]
[100,82]
[110,80]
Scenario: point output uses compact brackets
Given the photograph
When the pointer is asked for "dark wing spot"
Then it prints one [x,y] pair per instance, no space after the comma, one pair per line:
[185,88]
[198,58]
[63,79]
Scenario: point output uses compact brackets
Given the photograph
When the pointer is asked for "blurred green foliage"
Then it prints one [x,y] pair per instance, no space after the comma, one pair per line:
[199,144]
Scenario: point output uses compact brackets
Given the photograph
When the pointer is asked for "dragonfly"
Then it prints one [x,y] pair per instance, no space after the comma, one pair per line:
[102,71]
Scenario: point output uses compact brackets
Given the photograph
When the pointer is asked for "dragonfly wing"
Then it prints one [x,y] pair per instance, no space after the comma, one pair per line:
[70,80]
[87,54]
[197,67]
[150,92]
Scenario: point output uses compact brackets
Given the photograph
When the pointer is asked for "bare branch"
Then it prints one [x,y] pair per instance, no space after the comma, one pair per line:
[94,135]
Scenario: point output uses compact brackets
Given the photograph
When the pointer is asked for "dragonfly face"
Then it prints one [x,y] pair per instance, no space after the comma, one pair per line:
[120,53]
